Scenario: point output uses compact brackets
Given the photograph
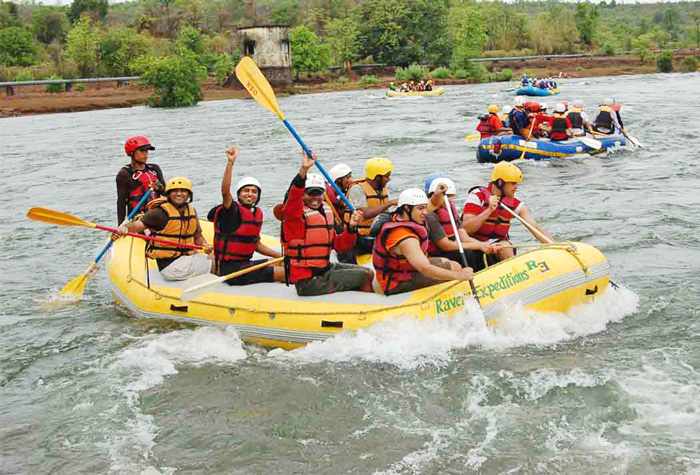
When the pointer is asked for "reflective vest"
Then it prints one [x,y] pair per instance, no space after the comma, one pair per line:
[240,244]
[390,268]
[315,249]
[497,224]
[604,120]
[444,217]
[575,119]
[180,227]
[374,198]
[144,178]
[558,131]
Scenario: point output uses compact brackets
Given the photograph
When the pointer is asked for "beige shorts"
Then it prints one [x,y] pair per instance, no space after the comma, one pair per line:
[186,267]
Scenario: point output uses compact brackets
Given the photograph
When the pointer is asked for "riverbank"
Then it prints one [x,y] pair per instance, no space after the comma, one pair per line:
[29,100]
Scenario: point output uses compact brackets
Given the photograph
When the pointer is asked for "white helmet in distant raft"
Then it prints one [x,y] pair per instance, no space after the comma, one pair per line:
[412,197]
[247,181]
[314,180]
[339,171]
[560,108]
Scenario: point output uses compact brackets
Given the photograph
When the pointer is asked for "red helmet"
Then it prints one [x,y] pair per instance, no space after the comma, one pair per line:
[133,143]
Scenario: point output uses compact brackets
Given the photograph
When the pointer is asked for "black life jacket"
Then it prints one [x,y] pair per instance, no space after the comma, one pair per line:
[576,120]
[604,121]
[558,129]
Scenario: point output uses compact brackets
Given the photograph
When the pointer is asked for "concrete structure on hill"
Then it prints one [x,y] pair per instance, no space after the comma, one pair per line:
[269,47]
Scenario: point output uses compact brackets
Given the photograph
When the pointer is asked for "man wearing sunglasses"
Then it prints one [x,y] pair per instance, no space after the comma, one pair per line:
[136,178]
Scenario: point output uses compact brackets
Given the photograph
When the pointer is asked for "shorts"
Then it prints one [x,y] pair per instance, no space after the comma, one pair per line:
[266,274]
[338,278]
[363,245]
[475,259]
[419,281]
[186,267]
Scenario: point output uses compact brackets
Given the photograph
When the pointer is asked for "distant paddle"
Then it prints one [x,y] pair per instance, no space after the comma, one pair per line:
[591,142]
[64,219]
[257,86]
[472,137]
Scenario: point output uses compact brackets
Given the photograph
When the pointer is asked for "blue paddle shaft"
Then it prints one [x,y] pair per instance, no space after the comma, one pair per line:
[128,218]
[318,165]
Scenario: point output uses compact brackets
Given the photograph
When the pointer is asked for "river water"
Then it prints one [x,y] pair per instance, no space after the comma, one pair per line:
[613,387]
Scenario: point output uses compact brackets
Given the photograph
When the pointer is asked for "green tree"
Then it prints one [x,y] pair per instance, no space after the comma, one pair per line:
[672,22]
[308,53]
[17,47]
[191,39]
[664,62]
[286,12]
[381,29]
[586,21]
[467,32]
[642,45]
[119,48]
[176,79]
[96,8]
[342,36]
[49,24]
[83,46]
[9,15]
[696,20]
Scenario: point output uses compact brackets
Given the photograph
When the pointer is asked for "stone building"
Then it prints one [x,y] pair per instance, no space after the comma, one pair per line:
[268,46]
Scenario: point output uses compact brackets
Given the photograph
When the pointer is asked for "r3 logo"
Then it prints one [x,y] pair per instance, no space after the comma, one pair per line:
[542,266]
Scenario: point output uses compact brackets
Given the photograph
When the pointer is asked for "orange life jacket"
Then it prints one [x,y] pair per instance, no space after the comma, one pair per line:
[181,227]
[315,249]
[374,198]
[393,269]
[240,244]
[497,224]
[444,218]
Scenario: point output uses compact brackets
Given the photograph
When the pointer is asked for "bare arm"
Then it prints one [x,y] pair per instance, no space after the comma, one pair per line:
[372,212]
[527,216]
[267,251]
[410,248]
[231,155]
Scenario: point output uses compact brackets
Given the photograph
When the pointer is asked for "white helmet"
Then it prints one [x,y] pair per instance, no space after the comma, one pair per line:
[247,181]
[561,108]
[338,171]
[578,103]
[314,180]
[609,102]
[412,197]
[543,106]
[507,109]
[519,101]
[451,188]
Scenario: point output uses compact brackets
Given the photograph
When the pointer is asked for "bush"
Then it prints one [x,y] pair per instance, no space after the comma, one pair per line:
[664,63]
[414,72]
[690,64]
[343,79]
[609,49]
[80,87]
[478,72]
[225,66]
[369,79]
[440,73]
[176,79]
[24,75]
[461,74]
[55,87]
[505,75]
[17,47]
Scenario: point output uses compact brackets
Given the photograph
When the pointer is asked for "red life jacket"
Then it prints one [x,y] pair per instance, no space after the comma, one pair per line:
[315,249]
[444,218]
[558,128]
[390,268]
[497,224]
[144,178]
[240,244]
[485,127]
[340,207]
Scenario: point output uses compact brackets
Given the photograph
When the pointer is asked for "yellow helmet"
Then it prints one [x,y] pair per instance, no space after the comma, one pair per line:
[507,172]
[493,109]
[377,166]
[179,182]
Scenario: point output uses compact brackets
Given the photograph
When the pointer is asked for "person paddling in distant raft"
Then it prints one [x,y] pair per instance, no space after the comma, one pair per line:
[175,219]
[237,226]
[606,122]
[399,255]
[580,123]
[560,128]
[134,179]
[485,220]
[309,236]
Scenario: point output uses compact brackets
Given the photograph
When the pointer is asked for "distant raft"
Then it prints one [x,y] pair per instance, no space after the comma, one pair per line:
[536,91]
[550,278]
[438,91]
[498,148]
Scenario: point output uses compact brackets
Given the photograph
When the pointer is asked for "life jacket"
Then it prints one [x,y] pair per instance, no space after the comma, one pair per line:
[575,119]
[374,198]
[444,218]
[604,120]
[497,224]
[180,227]
[315,249]
[390,268]
[340,207]
[241,243]
[485,127]
[144,178]
[558,131]
[514,124]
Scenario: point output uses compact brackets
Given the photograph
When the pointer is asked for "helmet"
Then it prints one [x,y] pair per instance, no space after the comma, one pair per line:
[543,106]
[507,109]
[177,183]
[493,109]
[430,178]
[338,171]
[377,166]
[566,105]
[133,143]
[507,172]
[451,188]
[314,180]
[561,108]
[609,101]
[412,197]
[578,103]
[519,101]
[247,181]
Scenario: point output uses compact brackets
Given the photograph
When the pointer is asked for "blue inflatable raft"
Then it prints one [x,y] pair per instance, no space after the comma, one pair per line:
[500,148]
[535,91]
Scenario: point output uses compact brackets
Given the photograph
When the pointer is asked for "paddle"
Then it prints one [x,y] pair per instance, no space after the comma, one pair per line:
[76,287]
[64,219]
[522,155]
[472,137]
[634,140]
[538,233]
[199,285]
[590,142]
[257,86]
[459,244]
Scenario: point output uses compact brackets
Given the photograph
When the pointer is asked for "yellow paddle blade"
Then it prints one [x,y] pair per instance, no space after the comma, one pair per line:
[56,217]
[75,287]
[472,137]
[254,81]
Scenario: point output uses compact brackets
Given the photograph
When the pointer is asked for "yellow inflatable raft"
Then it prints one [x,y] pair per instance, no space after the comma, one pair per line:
[438,91]
[553,278]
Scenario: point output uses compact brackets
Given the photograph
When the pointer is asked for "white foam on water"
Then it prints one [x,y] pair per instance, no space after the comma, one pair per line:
[144,365]
[410,343]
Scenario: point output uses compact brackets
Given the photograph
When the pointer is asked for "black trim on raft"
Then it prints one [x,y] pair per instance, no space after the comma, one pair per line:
[327,324]
[178,308]
[592,292]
